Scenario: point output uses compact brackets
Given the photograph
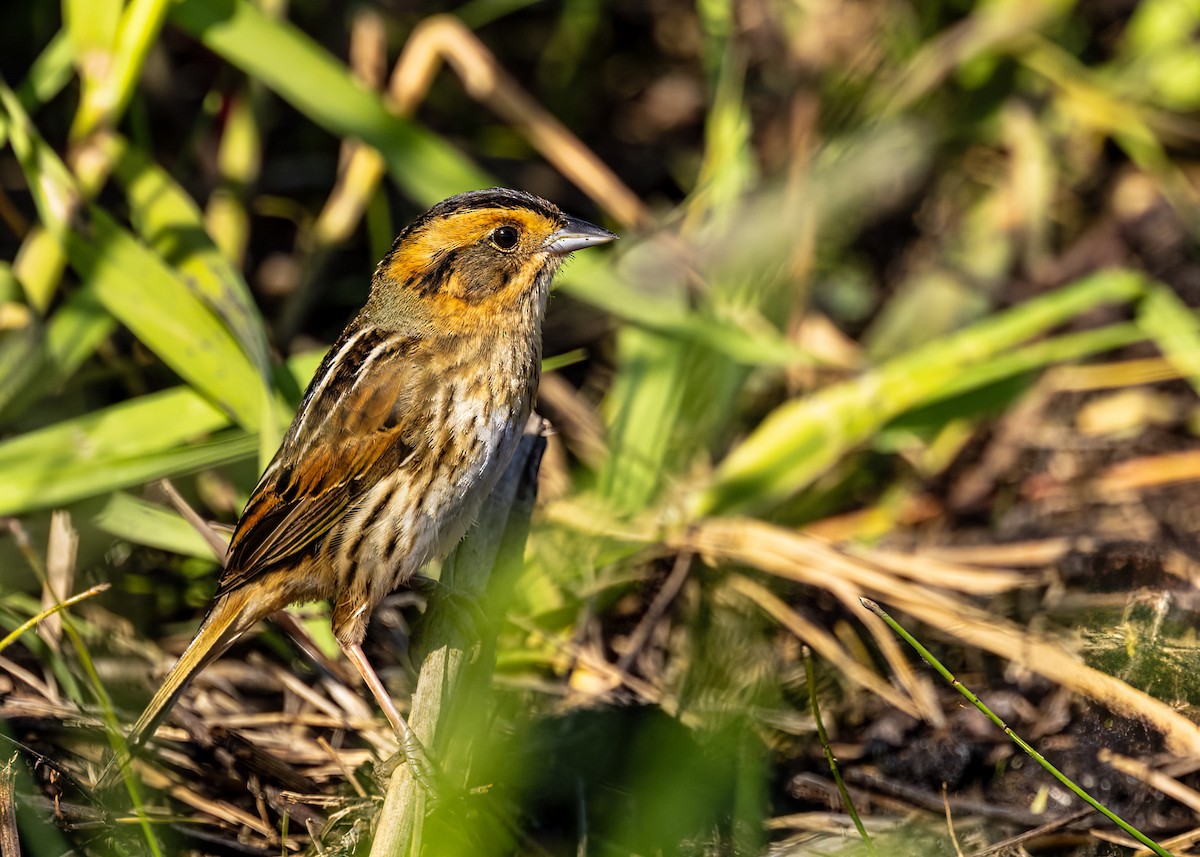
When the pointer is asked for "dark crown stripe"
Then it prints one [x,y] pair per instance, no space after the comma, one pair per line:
[497,197]
[475,200]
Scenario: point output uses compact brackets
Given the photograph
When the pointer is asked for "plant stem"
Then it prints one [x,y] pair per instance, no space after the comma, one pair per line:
[824,738]
[454,662]
[1017,739]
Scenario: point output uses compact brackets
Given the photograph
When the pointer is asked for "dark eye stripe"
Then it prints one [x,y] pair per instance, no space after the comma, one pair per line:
[436,274]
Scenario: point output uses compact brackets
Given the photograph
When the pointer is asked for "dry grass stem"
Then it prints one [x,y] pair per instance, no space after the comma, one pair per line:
[61,552]
[574,419]
[662,600]
[950,823]
[33,682]
[793,556]
[340,762]
[919,688]
[10,840]
[445,38]
[1150,471]
[931,571]
[1180,844]
[216,541]
[1117,373]
[821,642]
[1029,554]
[1156,780]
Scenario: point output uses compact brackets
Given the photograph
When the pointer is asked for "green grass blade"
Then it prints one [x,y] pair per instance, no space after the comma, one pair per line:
[67,338]
[593,279]
[1016,739]
[811,681]
[20,344]
[50,72]
[140,26]
[171,224]
[157,306]
[144,523]
[127,444]
[1174,328]
[43,484]
[91,28]
[135,285]
[644,403]
[803,438]
[50,611]
[110,54]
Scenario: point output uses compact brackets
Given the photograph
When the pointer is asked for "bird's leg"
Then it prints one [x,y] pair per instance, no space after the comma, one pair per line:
[410,745]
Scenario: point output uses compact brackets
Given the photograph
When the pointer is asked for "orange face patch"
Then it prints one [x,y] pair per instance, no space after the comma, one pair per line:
[421,252]
[459,274]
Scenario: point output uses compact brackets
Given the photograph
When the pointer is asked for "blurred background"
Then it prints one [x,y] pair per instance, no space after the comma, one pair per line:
[904,307]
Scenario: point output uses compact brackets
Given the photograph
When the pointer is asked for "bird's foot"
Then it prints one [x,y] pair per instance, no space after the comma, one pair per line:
[412,753]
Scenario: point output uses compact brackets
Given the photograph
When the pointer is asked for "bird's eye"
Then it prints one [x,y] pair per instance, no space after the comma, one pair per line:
[505,237]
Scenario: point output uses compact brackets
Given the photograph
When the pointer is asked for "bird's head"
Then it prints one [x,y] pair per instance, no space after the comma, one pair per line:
[476,259]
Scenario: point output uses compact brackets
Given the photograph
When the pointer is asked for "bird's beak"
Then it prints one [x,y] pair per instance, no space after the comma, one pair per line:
[576,234]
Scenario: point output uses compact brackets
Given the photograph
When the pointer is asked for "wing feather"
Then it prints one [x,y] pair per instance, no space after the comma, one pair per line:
[355,425]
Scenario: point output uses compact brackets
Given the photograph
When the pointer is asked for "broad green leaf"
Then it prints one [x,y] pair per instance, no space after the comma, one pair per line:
[40,263]
[27,488]
[150,299]
[311,80]
[126,444]
[145,523]
[39,266]
[135,285]
[75,330]
[171,224]
[65,341]
[169,221]
[20,353]
[134,427]
[803,438]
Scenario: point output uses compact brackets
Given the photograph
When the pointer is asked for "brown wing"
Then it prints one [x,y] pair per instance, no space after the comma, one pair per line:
[351,430]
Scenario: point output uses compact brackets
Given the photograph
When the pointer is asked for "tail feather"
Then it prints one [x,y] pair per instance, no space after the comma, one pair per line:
[228,619]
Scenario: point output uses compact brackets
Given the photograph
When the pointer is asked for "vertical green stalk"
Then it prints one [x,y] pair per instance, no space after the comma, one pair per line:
[449,673]
[810,679]
[139,29]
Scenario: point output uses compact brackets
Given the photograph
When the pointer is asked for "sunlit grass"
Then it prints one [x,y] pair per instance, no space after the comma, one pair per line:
[931,158]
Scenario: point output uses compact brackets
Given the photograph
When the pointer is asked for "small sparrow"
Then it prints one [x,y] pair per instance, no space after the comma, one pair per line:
[404,430]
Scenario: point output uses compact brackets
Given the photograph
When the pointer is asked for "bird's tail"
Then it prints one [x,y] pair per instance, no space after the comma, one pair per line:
[228,619]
